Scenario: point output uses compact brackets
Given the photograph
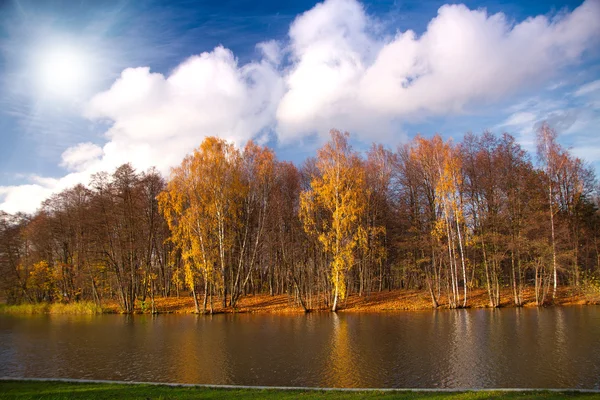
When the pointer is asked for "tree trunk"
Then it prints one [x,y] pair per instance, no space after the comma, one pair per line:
[514,280]
[554,272]
[205,294]
[335,296]
[196,305]
[487,273]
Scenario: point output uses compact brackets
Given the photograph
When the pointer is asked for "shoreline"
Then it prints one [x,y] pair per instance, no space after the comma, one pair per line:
[385,301]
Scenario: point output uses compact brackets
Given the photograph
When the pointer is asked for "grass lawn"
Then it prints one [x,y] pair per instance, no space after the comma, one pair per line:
[63,390]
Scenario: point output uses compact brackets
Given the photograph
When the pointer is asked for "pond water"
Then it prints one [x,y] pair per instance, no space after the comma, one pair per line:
[526,348]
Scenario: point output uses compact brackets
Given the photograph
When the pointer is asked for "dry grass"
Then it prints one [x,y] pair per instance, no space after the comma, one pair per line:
[41,308]
[82,307]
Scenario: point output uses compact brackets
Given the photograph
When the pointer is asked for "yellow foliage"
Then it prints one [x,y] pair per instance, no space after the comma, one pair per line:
[440,166]
[201,205]
[40,276]
[332,208]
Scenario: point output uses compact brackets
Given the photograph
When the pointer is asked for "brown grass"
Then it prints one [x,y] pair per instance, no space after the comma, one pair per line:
[395,300]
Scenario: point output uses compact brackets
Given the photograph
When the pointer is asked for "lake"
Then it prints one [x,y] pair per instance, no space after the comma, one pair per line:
[526,348]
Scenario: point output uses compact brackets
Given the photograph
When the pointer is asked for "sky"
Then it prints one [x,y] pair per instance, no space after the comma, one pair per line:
[87,86]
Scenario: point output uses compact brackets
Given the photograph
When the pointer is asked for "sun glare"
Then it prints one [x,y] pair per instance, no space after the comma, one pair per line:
[62,72]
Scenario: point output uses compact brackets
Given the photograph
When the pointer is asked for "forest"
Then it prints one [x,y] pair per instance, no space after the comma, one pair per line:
[434,215]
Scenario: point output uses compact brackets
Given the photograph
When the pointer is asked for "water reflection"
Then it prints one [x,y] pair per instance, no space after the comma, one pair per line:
[467,351]
[340,371]
[558,347]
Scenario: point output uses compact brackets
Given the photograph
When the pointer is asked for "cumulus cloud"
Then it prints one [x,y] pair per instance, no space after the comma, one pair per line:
[28,197]
[271,50]
[337,68]
[23,198]
[347,75]
[156,119]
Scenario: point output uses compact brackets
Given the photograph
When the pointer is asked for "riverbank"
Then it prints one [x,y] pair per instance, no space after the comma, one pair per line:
[51,390]
[384,301]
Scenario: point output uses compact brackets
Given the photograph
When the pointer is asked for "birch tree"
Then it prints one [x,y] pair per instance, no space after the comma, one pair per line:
[340,191]
[548,151]
[201,206]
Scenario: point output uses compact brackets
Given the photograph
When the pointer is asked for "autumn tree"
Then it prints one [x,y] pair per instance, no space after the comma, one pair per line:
[518,202]
[340,191]
[549,155]
[430,180]
[567,182]
[438,215]
[288,236]
[377,218]
[448,191]
[13,248]
[202,207]
[257,174]
[418,203]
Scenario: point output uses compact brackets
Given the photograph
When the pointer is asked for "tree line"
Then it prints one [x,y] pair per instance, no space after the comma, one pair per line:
[434,215]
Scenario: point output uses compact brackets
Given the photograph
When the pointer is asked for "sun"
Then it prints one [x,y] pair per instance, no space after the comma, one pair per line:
[62,72]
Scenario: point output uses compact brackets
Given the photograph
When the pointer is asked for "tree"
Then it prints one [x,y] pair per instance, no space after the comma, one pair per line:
[548,153]
[258,178]
[13,248]
[434,215]
[340,191]
[202,207]
[517,177]
[377,217]
[448,191]
[418,205]
[431,171]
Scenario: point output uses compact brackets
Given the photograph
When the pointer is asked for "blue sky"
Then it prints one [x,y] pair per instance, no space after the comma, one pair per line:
[85,86]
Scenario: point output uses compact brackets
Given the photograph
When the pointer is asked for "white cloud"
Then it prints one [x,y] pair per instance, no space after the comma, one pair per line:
[81,156]
[330,49]
[28,197]
[335,70]
[575,122]
[590,92]
[588,88]
[345,75]
[156,120]
[520,118]
[271,50]
[23,198]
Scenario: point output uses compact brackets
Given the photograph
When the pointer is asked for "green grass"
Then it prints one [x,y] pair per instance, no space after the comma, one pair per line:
[82,307]
[61,390]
